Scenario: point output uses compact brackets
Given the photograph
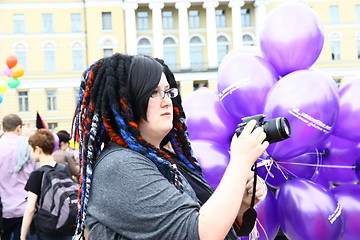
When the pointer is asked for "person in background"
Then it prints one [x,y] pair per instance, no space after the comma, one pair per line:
[63,156]
[16,166]
[1,220]
[132,186]
[42,144]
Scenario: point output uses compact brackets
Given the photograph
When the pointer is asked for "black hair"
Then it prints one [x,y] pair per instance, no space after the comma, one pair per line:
[141,90]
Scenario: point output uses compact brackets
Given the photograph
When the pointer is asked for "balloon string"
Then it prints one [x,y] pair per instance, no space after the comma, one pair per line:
[255,234]
[268,163]
[316,165]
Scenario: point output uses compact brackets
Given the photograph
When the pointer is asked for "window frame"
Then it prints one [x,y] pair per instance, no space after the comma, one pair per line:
[106,20]
[51,100]
[23,101]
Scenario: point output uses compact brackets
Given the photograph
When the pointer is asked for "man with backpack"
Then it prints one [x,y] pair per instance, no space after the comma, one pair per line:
[16,166]
[52,194]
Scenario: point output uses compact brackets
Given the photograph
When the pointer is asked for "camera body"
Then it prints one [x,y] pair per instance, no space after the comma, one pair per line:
[276,129]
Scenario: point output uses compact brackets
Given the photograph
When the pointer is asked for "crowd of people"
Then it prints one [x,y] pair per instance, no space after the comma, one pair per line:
[139,177]
[21,155]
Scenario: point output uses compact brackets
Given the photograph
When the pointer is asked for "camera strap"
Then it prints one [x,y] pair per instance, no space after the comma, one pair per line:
[250,215]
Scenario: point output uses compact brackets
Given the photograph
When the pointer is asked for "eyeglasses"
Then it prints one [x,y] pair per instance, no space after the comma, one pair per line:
[160,94]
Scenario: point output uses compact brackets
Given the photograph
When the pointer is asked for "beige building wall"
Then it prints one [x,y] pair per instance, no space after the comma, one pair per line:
[93,42]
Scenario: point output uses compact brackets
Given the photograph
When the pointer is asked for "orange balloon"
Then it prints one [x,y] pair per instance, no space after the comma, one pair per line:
[17,71]
[11,61]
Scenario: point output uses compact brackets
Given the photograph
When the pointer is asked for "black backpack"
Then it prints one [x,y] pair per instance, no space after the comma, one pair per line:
[57,210]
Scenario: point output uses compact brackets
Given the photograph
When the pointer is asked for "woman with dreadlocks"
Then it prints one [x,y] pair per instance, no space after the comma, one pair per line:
[132,186]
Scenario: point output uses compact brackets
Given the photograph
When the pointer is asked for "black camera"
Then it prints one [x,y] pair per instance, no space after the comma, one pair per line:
[276,129]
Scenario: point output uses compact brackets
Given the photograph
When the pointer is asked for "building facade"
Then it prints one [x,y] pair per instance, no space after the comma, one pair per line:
[56,40]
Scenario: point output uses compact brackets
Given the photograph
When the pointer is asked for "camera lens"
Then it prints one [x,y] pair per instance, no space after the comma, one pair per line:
[277,129]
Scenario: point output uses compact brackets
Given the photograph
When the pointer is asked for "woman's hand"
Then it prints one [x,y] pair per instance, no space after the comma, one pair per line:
[260,194]
[260,191]
[249,145]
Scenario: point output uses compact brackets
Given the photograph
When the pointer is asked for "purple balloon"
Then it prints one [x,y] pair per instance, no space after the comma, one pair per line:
[347,126]
[267,223]
[357,168]
[309,101]
[269,171]
[348,196]
[292,38]
[213,159]
[308,211]
[340,160]
[243,49]
[243,83]
[56,141]
[304,166]
[320,179]
[206,119]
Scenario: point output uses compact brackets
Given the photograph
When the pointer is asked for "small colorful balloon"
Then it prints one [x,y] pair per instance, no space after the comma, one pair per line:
[11,61]
[7,71]
[3,86]
[13,82]
[17,71]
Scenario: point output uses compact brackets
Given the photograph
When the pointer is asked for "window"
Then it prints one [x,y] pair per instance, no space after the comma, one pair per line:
[47,23]
[144,47]
[49,60]
[23,101]
[19,23]
[335,50]
[222,47]
[21,55]
[51,100]
[334,14]
[170,53]
[245,17]
[75,22]
[106,21]
[220,18]
[168,21]
[52,125]
[20,50]
[357,13]
[78,61]
[200,84]
[143,20]
[248,40]
[108,52]
[196,53]
[194,20]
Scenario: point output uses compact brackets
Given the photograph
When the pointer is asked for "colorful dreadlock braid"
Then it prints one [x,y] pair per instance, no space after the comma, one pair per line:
[104,114]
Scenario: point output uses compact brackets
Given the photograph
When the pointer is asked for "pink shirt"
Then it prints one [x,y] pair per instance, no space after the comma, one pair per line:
[12,192]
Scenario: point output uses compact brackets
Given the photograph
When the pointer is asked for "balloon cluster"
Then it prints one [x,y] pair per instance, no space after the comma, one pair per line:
[316,172]
[12,71]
